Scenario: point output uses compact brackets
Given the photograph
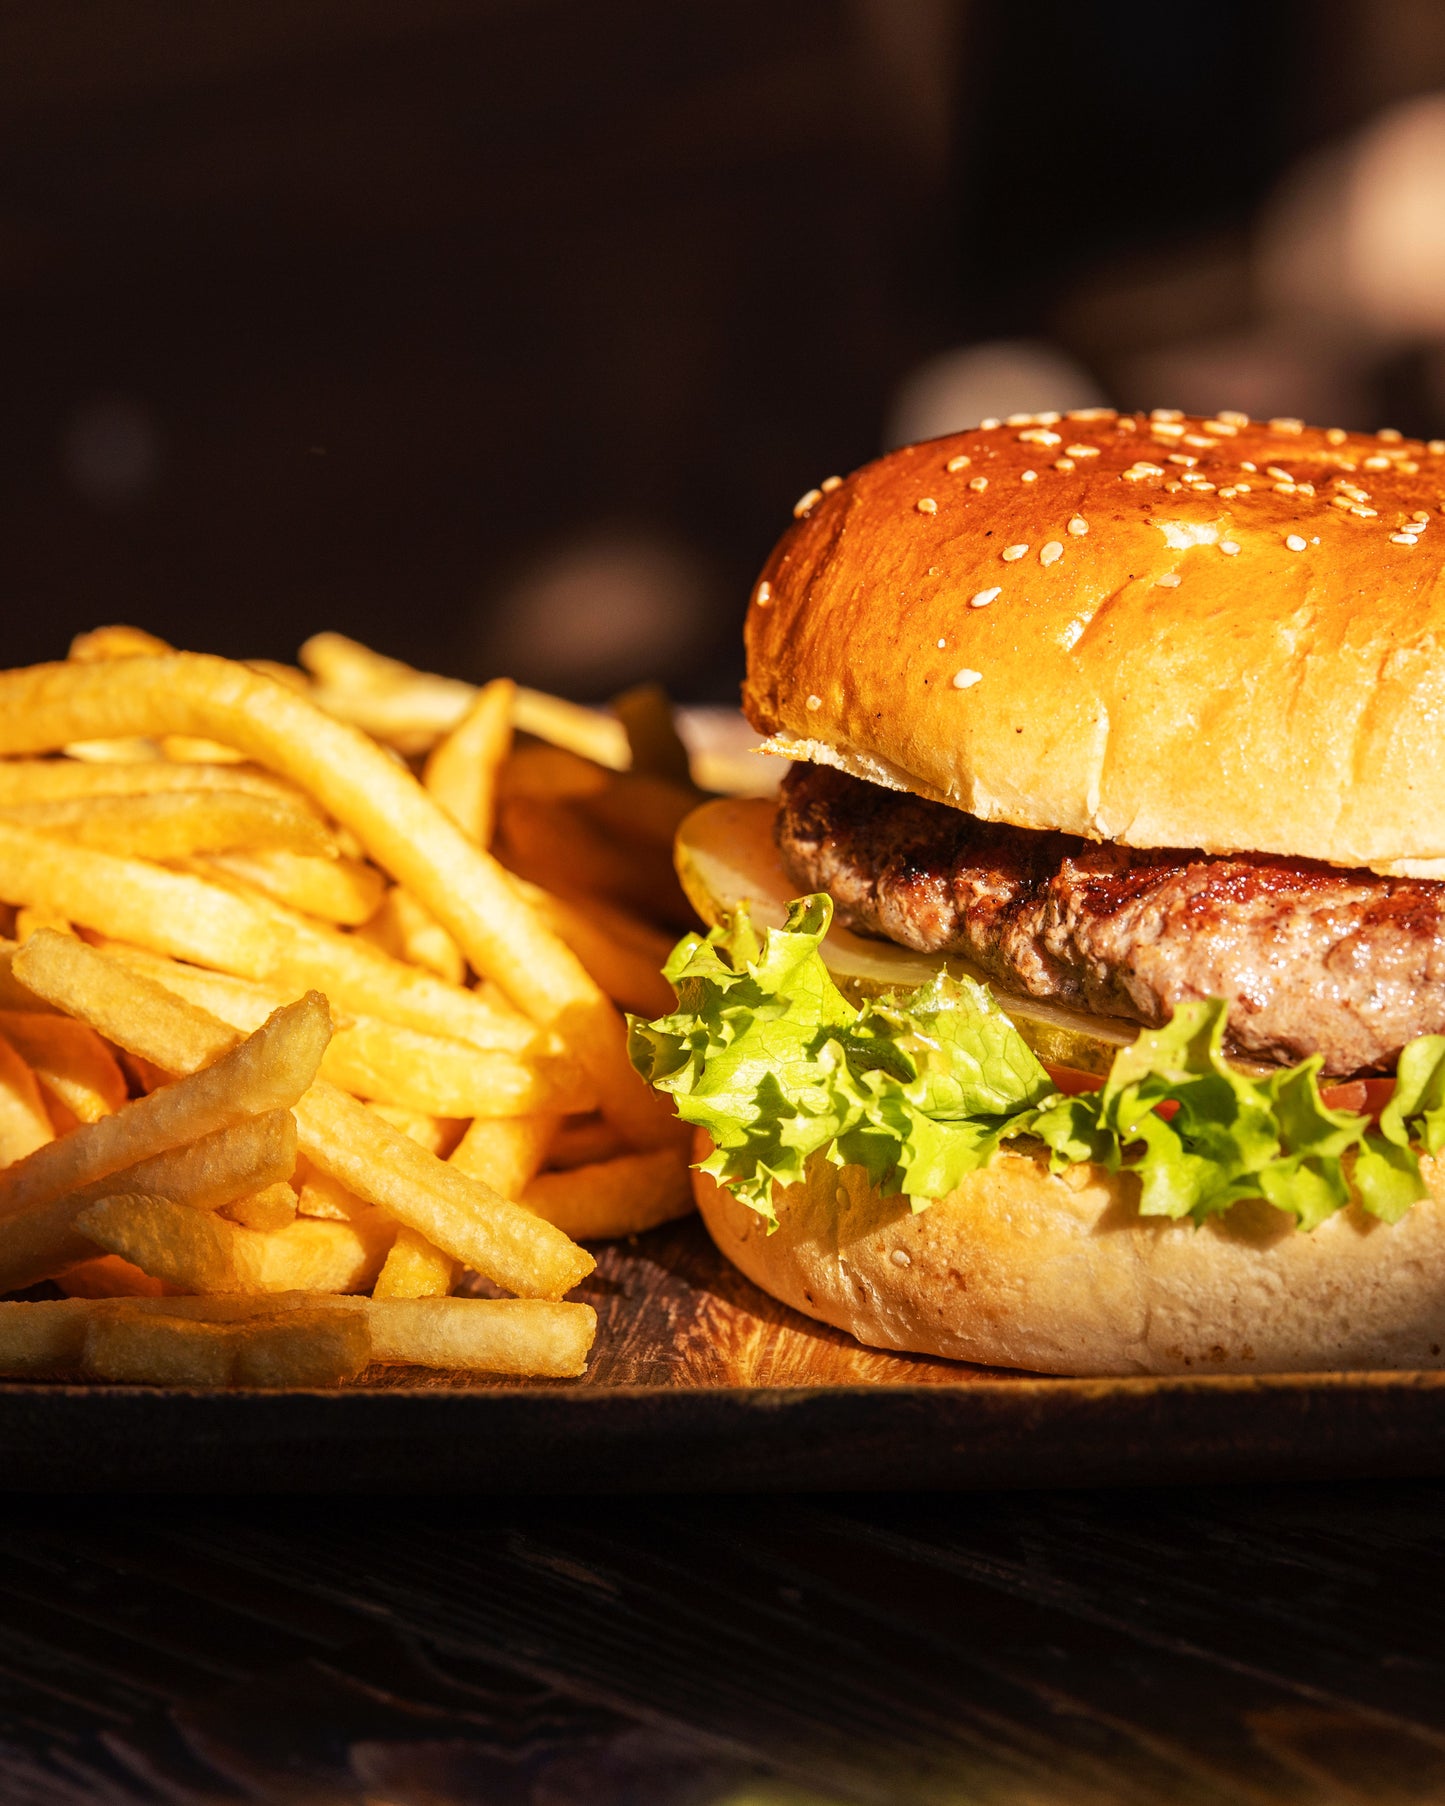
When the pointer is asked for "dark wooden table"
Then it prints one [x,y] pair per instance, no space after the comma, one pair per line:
[1212,1646]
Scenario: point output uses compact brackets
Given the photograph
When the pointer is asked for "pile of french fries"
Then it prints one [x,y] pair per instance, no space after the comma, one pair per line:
[311,1053]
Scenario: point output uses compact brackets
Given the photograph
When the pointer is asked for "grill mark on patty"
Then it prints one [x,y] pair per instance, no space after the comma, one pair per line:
[1310,959]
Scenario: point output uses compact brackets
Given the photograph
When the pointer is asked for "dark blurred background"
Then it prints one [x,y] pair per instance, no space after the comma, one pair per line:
[503,334]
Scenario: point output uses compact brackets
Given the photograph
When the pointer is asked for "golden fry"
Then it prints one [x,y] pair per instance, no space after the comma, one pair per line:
[176,824]
[629,976]
[273,1207]
[344,891]
[550,774]
[268,1071]
[64,780]
[304,1347]
[434,1133]
[24,1124]
[615,1197]
[654,745]
[461,771]
[461,1216]
[415,1269]
[505,1152]
[157,1350]
[108,1276]
[402,928]
[198,1252]
[42,1240]
[103,643]
[70,1061]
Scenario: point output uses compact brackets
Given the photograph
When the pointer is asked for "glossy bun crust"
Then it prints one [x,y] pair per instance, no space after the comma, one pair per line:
[1205,633]
[1060,1274]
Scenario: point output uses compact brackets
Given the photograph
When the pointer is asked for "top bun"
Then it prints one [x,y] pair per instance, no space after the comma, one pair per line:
[1154,629]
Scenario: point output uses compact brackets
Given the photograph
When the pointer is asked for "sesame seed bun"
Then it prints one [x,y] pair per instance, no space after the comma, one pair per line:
[1059,1274]
[1152,629]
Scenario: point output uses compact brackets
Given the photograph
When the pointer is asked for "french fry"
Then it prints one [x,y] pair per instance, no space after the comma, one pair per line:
[42,1240]
[461,770]
[584,1141]
[550,774]
[108,1276]
[615,1197]
[119,641]
[556,846]
[434,1133]
[198,1252]
[128,1007]
[415,1269]
[64,780]
[402,928]
[188,918]
[505,1152]
[268,1071]
[13,994]
[273,1207]
[177,824]
[245,1004]
[304,1347]
[636,807]
[477,1335]
[322,1196]
[587,732]
[31,920]
[366,790]
[654,745]
[24,1124]
[69,1060]
[157,1350]
[463,1217]
[344,891]
[630,976]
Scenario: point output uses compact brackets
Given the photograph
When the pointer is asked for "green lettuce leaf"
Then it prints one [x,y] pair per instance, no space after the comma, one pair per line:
[919,1088]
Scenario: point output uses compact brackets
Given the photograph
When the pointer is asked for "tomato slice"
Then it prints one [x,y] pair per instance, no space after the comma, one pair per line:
[1366,1097]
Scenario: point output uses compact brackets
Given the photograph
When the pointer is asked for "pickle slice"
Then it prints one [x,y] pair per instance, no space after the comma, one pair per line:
[725,856]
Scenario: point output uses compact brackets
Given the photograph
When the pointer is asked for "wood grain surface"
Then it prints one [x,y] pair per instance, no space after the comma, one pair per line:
[701,1383]
[1275,1647]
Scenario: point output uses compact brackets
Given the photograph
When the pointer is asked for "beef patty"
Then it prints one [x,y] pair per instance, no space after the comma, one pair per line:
[1311,959]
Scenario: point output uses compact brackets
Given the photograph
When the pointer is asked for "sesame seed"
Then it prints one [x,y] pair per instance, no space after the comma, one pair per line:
[1391,435]
[1341,501]
[1019,420]
[966,679]
[1377,463]
[1172,488]
[901,1257]
[1040,435]
[1225,428]
[926,505]
[1168,429]
[1169,414]
[1407,465]
[1170,580]
[1286,488]
[1136,471]
[1244,488]
[1187,459]
[1403,539]
[943,643]
[1233,417]
[1364,513]
[1082,451]
[1028,476]
[987,426]
[1436,447]
[1052,552]
[1063,463]
[1337,435]
[815,702]
[1286,423]
[1229,547]
[829,484]
[1012,554]
[1253,469]
[1126,423]
[1305,488]
[1202,440]
[1078,526]
[1090,414]
[1228,493]
[1421,516]
[764,594]
[1051,418]
[978,483]
[1280,476]
[1202,488]
[983,598]
[805,503]
[961,462]
[1294,542]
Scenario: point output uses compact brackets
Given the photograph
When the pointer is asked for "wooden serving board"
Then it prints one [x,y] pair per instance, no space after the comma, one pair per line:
[699,1381]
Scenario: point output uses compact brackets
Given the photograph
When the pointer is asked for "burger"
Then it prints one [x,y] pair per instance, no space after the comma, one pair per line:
[1079,1005]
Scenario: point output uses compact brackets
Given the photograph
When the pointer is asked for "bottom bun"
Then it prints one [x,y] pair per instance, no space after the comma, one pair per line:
[1058,1273]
